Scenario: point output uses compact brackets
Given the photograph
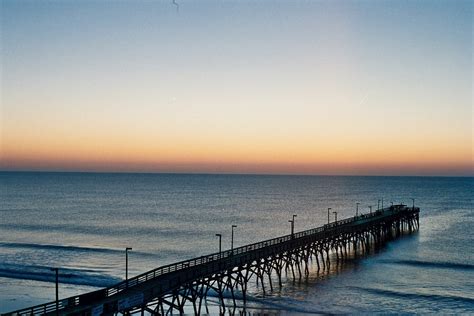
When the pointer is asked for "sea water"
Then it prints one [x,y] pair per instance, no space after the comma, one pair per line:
[82,222]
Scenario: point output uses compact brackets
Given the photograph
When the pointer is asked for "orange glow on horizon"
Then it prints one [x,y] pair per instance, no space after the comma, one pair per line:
[233,156]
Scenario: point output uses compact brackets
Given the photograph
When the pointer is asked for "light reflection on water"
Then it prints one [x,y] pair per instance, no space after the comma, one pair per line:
[83,222]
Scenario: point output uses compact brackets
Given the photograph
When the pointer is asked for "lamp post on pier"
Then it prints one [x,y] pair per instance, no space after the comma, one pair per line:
[294,215]
[370,207]
[292,221]
[126,265]
[357,209]
[413,202]
[57,289]
[220,244]
[335,216]
[232,239]
[329,209]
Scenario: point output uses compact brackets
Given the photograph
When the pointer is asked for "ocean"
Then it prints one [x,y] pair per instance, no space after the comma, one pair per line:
[82,222]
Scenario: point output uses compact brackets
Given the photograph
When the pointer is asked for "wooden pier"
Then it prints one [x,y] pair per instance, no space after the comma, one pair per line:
[167,289]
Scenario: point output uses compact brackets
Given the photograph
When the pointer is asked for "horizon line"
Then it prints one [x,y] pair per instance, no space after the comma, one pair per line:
[231,173]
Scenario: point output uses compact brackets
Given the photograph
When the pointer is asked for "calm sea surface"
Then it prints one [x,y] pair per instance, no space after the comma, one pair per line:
[82,222]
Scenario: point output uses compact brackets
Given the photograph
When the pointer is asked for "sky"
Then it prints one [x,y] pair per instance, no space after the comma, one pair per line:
[278,87]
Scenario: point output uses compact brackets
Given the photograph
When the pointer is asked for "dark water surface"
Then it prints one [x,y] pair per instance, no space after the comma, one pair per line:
[82,222]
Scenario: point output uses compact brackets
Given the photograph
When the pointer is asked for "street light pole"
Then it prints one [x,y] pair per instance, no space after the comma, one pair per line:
[126,264]
[370,207]
[328,213]
[335,214]
[57,289]
[293,224]
[220,244]
[232,239]
[357,209]
[413,202]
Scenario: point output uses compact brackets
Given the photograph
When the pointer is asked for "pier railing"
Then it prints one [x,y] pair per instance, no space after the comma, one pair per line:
[174,267]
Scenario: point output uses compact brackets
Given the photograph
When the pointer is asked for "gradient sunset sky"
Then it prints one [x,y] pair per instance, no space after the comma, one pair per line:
[286,87]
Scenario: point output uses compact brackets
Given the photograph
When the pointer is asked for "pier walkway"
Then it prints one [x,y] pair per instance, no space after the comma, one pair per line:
[168,288]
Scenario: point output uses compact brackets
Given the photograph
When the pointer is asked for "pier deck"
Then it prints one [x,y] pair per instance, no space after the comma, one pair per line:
[169,288]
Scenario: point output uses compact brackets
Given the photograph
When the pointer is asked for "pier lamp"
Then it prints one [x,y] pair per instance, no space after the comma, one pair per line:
[370,207]
[413,202]
[220,244]
[335,216]
[294,215]
[357,209]
[328,213]
[57,288]
[232,239]
[126,264]
[292,221]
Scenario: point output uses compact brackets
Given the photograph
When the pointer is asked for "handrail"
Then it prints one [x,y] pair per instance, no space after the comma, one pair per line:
[152,274]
